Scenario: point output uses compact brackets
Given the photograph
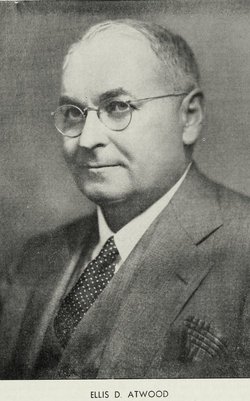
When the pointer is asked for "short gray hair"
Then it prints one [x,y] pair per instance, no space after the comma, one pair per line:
[171,49]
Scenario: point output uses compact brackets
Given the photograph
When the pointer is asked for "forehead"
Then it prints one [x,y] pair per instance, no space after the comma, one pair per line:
[113,59]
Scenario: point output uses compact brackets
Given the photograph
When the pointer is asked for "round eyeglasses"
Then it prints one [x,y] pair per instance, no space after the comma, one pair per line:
[115,114]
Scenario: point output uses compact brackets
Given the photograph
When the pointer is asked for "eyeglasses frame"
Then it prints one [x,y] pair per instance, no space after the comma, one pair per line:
[98,110]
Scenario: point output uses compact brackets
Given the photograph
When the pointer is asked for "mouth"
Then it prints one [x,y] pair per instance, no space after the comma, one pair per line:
[99,166]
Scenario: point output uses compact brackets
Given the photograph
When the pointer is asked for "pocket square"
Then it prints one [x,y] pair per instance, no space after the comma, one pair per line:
[201,341]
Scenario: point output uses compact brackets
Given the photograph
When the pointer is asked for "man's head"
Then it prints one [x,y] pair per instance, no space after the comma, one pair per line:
[123,61]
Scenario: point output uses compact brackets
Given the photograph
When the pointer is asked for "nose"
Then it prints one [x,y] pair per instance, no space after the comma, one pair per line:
[93,133]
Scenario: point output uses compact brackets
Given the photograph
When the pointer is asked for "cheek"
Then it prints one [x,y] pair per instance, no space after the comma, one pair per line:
[69,147]
[147,144]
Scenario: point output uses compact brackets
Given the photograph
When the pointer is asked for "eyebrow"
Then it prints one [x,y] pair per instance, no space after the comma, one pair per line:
[102,98]
[69,100]
[113,93]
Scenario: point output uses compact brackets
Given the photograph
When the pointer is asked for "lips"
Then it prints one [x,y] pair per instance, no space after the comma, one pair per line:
[96,166]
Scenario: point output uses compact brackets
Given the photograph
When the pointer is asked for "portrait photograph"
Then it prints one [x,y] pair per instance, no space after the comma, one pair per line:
[125,200]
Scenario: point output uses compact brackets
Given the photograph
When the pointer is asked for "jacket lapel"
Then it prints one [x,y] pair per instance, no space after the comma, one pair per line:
[129,321]
[58,265]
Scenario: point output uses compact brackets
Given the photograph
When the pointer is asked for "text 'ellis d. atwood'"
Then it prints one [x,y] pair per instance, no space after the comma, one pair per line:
[132,394]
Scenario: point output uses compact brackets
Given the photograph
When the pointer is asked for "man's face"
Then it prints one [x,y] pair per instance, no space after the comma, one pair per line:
[143,161]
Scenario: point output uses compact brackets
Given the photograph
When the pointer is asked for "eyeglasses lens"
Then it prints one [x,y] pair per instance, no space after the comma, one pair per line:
[69,120]
[116,115]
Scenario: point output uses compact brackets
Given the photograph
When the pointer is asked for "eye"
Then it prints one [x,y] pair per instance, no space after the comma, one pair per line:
[116,107]
[72,113]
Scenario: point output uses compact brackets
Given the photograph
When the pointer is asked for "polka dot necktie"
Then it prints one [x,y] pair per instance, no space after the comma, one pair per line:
[91,283]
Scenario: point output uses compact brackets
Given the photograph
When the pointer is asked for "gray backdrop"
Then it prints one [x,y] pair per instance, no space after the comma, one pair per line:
[37,191]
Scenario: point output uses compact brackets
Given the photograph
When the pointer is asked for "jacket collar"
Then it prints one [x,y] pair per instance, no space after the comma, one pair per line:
[196,206]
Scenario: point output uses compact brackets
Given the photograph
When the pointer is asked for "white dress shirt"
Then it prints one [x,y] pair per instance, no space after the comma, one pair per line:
[130,234]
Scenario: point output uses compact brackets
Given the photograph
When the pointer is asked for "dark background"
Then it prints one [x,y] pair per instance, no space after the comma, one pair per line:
[37,191]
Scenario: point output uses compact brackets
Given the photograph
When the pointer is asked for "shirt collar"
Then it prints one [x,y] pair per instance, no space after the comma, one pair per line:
[128,236]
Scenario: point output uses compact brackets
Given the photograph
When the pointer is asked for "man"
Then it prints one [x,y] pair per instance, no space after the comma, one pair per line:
[156,283]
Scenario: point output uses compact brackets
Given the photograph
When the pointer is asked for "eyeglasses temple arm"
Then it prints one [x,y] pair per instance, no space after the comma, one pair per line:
[158,97]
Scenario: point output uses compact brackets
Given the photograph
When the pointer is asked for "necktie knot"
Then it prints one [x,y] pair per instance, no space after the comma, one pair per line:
[91,283]
[108,253]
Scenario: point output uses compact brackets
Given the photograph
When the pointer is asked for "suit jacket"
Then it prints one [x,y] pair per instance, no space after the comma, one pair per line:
[178,307]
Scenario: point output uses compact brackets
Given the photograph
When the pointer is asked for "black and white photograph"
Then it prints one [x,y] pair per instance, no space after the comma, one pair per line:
[125,198]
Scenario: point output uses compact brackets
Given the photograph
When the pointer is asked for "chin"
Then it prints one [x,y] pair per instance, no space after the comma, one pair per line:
[102,196]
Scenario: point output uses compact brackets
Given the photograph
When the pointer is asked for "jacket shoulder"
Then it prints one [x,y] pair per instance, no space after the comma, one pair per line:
[233,204]
[66,232]
[42,248]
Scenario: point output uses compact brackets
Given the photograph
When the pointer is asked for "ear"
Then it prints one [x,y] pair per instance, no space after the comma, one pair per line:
[192,116]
